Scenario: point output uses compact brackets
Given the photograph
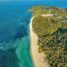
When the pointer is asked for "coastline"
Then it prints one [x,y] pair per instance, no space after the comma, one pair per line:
[37,58]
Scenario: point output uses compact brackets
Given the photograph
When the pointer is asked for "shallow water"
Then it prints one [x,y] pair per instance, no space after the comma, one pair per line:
[23,52]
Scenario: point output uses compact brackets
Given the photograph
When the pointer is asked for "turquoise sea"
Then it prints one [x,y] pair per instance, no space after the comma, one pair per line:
[14,31]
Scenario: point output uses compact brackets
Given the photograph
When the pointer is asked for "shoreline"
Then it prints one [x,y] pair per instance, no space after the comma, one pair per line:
[37,58]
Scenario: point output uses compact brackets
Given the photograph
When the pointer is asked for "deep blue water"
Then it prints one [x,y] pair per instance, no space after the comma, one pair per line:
[14,31]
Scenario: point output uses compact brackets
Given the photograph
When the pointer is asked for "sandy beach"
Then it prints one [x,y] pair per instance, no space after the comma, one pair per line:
[38,58]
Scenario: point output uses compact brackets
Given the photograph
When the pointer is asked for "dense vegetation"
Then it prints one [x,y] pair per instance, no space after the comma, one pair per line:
[52,36]
[55,47]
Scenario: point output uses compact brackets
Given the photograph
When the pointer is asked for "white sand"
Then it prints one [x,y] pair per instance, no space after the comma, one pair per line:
[38,58]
